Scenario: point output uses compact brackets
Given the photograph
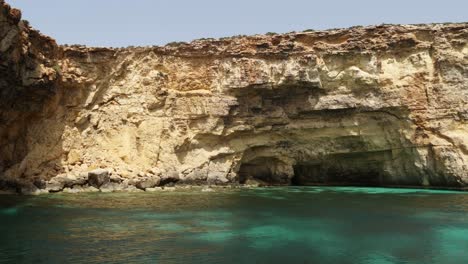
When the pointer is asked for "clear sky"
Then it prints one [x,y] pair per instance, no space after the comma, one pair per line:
[156,22]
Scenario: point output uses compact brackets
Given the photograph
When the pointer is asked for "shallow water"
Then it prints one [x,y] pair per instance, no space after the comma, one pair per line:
[270,225]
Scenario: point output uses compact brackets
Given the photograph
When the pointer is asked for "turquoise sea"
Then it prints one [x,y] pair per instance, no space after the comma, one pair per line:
[266,225]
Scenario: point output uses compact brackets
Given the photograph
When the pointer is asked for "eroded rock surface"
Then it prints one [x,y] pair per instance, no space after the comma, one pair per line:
[379,105]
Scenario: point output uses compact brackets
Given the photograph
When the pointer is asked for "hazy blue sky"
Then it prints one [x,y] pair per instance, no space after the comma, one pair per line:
[153,22]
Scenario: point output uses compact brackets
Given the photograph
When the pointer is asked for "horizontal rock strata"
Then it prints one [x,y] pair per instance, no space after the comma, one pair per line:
[378,105]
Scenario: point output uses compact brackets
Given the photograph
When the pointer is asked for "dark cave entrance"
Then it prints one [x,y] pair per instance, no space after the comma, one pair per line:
[353,169]
[323,174]
[267,170]
[360,169]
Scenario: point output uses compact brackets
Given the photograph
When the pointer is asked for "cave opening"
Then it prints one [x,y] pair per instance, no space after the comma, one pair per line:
[336,174]
[351,169]
[267,170]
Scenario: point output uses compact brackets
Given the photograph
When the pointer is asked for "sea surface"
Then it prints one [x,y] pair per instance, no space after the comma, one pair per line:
[267,225]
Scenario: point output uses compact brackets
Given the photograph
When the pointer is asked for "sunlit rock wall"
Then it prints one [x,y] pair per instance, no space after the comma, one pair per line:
[380,105]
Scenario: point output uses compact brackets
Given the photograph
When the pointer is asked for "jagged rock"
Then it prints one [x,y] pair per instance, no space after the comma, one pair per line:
[252,182]
[116,178]
[98,177]
[131,188]
[80,179]
[169,178]
[72,180]
[59,182]
[55,185]
[148,183]
[62,181]
[74,157]
[377,105]
[155,171]
[40,183]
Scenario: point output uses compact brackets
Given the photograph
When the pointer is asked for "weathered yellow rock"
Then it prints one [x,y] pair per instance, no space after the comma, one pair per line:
[367,105]
[73,157]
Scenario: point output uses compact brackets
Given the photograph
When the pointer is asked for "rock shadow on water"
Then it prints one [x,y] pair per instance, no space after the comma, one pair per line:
[11,205]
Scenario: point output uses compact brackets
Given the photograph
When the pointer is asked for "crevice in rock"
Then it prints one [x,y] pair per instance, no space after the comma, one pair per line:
[168,181]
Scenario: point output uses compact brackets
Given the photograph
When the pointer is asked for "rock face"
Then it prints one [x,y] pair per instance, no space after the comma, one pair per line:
[99,177]
[379,105]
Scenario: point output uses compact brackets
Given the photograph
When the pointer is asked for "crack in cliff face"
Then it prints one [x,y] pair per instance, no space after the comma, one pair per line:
[380,105]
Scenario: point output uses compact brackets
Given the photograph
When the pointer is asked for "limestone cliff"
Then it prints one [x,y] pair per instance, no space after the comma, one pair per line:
[379,105]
